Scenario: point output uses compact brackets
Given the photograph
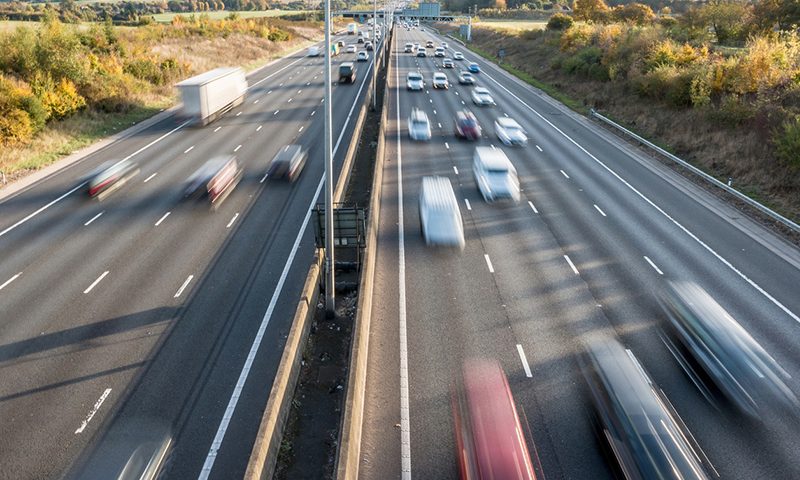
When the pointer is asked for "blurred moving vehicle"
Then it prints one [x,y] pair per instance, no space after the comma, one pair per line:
[415,81]
[458,56]
[444,45]
[439,215]
[429,44]
[421,52]
[110,176]
[510,132]
[490,442]
[347,72]
[340,43]
[368,46]
[351,48]
[635,420]
[466,78]
[467,125]
[721,351]
[288,163]
[447,63]
[352,28]
[439,52]
[208,95]
[440,81]
[313,51]
[215,180]
[494,174]
[474,68]
[419,128]
[481,96]
[362,56]
[409,48]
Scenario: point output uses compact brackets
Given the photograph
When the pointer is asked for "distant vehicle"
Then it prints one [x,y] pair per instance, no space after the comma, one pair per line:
[439,52]
[416,47]
[490,442]
[421,52]
[409,48]
[351,49]
[368,45]
[362,56]
[288,162]
[481,96]
[494,174]
[711,346]
[466,78]
[313,51]
[360,39]
[474,68]
[447,63]
[444,45]
[429,44]
[419,128]
[643,433]
[458,56]
[347,72]
[440,80]
[467,125]
[110,176]
[340,43]
[215,180]
[415,81]
[208,95]
[352,28]
[510,132]
[439,214]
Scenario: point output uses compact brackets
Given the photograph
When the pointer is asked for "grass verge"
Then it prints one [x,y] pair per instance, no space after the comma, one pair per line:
[219,15]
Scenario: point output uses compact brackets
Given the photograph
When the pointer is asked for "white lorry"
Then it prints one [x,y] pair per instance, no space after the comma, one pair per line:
[352,28]
[208,95]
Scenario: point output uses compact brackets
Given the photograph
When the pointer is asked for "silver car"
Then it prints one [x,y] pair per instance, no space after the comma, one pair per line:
[481,96]
[510,132]
[415,81]
[440,81]
[419,127]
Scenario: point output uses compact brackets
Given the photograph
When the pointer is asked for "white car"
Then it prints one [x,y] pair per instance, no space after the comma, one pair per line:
[444,45]
[439,52]
[494,174]
[510,132]
[481,96]
[351,49]
[362,56]
[440,80]
[419,127]
[415,81]
[439,214]
[458,56]
[313,51]
[466,78]
[409,48]
[421,52]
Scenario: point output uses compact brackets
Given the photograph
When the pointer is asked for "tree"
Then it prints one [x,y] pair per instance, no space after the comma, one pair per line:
[559,21]
[591,10]
[634,13]
[728,20]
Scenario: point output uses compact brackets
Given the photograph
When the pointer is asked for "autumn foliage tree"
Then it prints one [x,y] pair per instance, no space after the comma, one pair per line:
[591,10]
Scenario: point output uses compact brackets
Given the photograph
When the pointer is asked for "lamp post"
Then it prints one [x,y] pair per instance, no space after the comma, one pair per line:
[330,286]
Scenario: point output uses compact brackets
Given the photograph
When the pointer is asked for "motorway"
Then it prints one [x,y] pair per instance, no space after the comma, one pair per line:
[131,324]
[598,230]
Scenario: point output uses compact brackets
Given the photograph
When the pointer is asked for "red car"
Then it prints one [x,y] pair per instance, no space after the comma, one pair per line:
[467,125]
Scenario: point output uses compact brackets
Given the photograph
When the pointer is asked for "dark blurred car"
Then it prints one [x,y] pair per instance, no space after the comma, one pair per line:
[288,163]
[215,180]
[635,420]
[490,442]
[725,352]
[109,177]
[467,125]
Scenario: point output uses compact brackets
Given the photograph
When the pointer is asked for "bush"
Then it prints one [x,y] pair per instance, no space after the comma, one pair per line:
[15,127]
[559,21]
[786,141]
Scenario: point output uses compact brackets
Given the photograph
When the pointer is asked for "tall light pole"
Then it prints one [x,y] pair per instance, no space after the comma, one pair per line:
[374,62]
[330,286]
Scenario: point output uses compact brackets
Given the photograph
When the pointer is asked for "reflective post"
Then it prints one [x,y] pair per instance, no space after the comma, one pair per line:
[330,286]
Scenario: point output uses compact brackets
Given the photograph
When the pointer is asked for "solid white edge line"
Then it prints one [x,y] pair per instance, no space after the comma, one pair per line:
[488,262]
[264,178]
[469,207]
[189,149]
[524,361]
[94,410]
[599,210]
[94,284]
[150,177]
[162,219]
[653,265]
[232,220]
[7,282]
[93,218]
[571,265]
[183,287]
[533,207]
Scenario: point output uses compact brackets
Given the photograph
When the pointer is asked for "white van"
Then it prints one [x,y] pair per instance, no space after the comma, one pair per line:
[494,174]
[439,215]
[313,51]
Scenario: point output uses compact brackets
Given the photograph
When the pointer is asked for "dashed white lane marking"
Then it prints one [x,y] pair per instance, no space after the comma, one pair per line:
[94,218]
[308,83]
[533,207]
[462,102]
[312,113]
[217,129]
[269,92]
[280,85]
[183,287]
[290,100]
[599,210]
[469,207]
[653,265]
[447,145]
[493,147]
[264,178]
[94,284]
[571,265]
[524,361]
[276,112]
[7,282]
[299,92]
[564,173]
[238,114]
[506,115]
[455,169]
[259,128]
[300,130]
[189,149]
[456,93]
[150,177]
[540,148]
[440,125]
[94,410]
[237,148]
[434,112]
[430,100]
[255,102]
[232,220]
[488,262]
[162,219]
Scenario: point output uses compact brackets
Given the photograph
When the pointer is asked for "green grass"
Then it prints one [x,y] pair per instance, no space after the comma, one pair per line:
[167,17]
[513,24]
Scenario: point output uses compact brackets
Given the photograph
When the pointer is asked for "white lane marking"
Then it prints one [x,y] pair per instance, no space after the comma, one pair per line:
[469,207]
[564,173]
[290,100]
[237,148]
[431,100]
[299,92]
[189,149]
[264,178]
[269,92]
[183,287]
[150,177]
[94,410]
[238,114]
[162,219]
[273,74]
[506,115]
[308,83]
[691,235]
[434,112]
[455,169]
[94,284]
[653,265]
[259,128]
[456,93]
[281,84]
[276,112]
[462,102]
[599,210]
[255,102]
[93,219]
[488,262]
[217,129]
[447,145]
[300,130]
[232,220]
[230,409]
[540,148]
[7,282]
[533,207]
[312,113]
[493,147]
[571,265]
[524,361]
[440,125]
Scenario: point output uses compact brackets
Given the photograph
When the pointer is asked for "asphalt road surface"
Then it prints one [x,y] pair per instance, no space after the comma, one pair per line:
[598,230]
[127,323]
